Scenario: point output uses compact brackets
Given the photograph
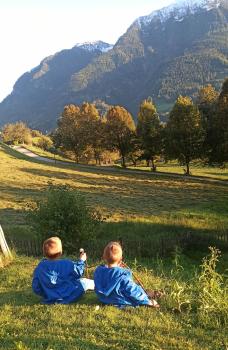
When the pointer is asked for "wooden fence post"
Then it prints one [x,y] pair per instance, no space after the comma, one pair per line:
[4,249]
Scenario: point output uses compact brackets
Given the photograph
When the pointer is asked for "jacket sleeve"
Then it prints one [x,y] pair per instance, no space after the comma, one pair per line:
[78,268]
[36,286]
[135,293]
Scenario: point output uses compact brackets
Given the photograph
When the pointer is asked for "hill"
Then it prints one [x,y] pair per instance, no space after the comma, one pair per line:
[137,207]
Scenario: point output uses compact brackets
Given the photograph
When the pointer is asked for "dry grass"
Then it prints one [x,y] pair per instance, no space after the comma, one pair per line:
[163,202]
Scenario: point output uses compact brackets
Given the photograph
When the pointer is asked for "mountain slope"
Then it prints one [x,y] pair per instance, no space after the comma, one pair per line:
[172,51]
[38,96]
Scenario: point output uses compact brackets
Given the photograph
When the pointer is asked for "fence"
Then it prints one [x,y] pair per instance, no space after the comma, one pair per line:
[155,246]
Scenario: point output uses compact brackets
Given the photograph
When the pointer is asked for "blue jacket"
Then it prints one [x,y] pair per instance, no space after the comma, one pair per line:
[115,286]
[57,281]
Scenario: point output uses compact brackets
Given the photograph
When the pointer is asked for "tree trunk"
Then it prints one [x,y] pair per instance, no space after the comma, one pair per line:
[153,165]
[148,163]
[187,167]
[123,162]
[76,158]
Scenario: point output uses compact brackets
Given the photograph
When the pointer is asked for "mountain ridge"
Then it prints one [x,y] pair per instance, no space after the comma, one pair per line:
[155,57]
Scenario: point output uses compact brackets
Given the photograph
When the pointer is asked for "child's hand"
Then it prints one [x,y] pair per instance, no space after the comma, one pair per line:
[154,304]
[83,256]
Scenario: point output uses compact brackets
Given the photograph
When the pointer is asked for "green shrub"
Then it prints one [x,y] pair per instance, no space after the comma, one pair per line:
[64,213]
[212,292]
[44,142]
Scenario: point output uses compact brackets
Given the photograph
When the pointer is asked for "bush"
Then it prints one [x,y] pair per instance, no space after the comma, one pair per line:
[16,133]
[64,213]
[44,142]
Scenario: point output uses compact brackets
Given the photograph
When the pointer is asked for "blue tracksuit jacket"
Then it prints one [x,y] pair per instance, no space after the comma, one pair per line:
[57,281]
[115,286]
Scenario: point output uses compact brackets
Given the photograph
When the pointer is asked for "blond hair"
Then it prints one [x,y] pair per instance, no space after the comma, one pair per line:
[52,248]
[113,253]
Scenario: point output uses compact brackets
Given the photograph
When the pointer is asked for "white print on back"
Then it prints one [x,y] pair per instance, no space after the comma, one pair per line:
[53,276]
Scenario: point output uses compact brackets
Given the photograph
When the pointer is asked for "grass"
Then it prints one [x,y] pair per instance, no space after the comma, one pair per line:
[138,207]
[196,169]
[83,326]
[41,152]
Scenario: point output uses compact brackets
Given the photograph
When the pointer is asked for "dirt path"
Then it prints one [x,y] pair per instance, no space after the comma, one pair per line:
[30,154]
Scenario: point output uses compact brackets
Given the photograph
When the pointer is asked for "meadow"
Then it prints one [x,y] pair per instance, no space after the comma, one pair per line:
[137,207]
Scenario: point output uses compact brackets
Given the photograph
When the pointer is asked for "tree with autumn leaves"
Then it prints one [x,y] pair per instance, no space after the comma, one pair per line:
[193,130]
[120,132]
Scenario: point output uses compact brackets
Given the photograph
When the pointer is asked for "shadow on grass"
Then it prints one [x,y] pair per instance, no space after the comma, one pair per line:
[18,298]
[27,297]
[140,239]
[135,195]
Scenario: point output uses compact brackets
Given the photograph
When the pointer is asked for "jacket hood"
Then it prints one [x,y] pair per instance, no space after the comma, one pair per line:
[107,279]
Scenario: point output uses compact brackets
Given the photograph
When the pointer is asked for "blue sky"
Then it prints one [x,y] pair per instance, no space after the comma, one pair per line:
[33,29]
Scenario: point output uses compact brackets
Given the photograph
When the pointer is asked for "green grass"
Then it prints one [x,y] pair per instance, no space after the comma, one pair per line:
[41,152]
[196,169]
[138,207]
[82,326]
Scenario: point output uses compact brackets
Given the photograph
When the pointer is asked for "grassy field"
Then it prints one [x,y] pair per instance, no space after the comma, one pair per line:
[172,167]
[196,169]
[137,206]
[27,325]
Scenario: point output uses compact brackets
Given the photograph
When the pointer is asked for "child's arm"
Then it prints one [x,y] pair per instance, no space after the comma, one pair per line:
[79,266]
[135,293]
[36,286]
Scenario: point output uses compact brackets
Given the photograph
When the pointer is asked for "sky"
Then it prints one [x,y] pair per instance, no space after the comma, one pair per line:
[31,30]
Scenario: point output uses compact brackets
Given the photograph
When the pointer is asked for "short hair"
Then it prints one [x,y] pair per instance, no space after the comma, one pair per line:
[52,248]
[113,252]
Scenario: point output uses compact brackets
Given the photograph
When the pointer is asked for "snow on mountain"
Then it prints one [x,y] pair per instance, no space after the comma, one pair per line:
[95,45]
[178,10]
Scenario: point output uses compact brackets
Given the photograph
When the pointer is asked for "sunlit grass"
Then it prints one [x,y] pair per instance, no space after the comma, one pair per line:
[137,207]
[163,203]
[195,170]
[84,326]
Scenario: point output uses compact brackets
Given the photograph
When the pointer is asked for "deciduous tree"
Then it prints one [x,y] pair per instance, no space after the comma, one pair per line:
[184,132]
[120,129]
[149,131]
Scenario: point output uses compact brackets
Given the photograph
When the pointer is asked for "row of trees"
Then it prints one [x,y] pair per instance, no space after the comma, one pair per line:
[193,130]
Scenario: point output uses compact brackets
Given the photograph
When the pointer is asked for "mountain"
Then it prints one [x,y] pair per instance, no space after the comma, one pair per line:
[172,51]
[38,96]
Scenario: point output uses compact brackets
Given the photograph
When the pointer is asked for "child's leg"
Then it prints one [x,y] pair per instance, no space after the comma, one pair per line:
[87,284]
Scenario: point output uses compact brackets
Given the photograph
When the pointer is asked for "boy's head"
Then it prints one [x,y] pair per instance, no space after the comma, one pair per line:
[52,248]
[113,253]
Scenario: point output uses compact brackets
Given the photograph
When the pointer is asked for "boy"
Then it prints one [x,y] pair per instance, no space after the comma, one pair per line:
[59,280]
[114,285]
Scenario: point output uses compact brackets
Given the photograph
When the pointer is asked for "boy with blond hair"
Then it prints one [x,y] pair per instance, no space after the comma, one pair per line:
[114,284]
[59,280]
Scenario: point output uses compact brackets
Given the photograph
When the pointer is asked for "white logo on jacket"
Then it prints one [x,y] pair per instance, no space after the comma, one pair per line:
[53,275]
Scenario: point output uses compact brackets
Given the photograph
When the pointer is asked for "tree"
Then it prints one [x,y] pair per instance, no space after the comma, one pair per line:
[184,132]
[69,133]
[149,131]
[207,104]
[120,128]
[16,133]
[220,127]
[94,127]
